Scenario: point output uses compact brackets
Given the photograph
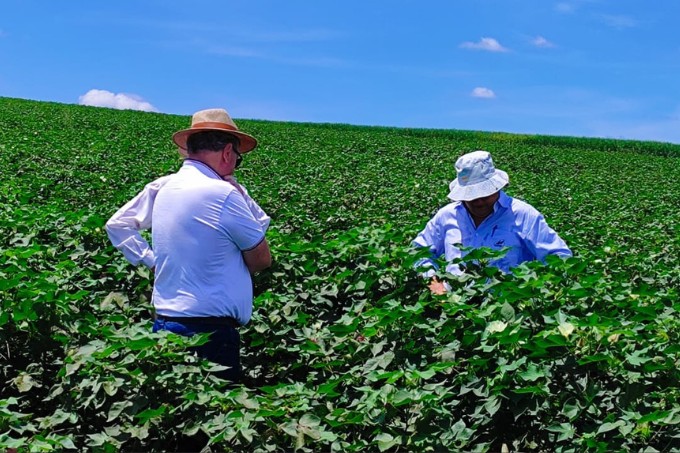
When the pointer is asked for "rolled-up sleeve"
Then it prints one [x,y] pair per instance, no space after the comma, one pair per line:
[123,228]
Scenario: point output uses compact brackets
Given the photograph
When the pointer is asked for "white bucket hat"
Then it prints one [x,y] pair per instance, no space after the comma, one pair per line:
[477,177]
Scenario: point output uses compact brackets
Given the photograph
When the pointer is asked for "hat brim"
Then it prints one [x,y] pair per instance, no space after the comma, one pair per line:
[482,189]
[247,142]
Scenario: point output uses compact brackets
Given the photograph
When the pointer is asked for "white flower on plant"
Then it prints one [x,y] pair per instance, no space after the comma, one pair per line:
[496,326]
[566,328]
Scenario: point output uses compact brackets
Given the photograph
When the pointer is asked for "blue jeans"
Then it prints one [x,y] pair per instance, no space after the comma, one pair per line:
[222,348]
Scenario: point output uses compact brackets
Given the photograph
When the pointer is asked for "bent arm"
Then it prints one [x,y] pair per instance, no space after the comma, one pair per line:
[543,241]
[258,258]
[124,226]
[246,232]
[430,238]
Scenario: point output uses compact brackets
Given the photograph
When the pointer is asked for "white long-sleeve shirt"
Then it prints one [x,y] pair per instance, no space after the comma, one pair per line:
[125,225]
[513,224]
[200,226]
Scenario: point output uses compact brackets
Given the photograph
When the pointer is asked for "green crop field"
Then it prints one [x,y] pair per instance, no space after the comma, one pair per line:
[347,349]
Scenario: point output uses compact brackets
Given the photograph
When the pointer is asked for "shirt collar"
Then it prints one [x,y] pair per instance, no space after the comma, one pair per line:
[204,168]
[504,200]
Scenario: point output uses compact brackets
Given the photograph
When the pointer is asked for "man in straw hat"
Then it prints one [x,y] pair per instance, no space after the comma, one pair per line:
[208,238]
[483,215]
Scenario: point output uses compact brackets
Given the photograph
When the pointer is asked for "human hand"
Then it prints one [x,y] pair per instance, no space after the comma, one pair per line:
[437,288]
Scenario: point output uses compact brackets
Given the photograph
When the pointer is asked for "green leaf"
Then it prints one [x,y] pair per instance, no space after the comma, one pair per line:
[401,397]
[117,408]
[386,441]
[328,388]
[140,432]
[309,426]
[113,300]
[246,401]
[507,312]
[380,362]
[461,432]
[533,373]
[570,411]
[606,427]
[594,358]
[98,439]
[290,428]
[492,405]
[425,374]
[566,431]
[57,419]
[150,414]
[25,382]
[637,358]
[67,443]
[310,420]
[534,389]
[654,416]
[142,343]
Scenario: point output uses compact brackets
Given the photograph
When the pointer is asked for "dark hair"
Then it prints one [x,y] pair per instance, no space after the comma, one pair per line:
[211,141]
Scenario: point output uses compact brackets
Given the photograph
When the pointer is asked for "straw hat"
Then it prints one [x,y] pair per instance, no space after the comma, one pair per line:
[477,177]
[214,120]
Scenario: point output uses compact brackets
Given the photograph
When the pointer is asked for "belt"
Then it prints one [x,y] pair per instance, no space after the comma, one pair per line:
[215,320]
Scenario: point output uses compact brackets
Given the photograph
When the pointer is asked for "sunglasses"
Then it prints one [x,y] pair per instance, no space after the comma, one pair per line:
[239,158]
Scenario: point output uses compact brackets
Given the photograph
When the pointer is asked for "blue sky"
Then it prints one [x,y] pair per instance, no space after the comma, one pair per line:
[594,68]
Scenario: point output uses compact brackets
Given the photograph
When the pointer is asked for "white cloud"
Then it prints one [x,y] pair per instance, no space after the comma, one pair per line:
[232,51]
[488,44]
[240,52]
[290,36]
[120,101]
[564,7]
[619,22]
[540,41]
[482,92]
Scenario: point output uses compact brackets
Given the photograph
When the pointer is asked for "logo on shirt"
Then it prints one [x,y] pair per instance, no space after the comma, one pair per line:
[500,243]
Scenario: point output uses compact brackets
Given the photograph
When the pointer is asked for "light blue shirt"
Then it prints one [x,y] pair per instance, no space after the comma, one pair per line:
[513,224]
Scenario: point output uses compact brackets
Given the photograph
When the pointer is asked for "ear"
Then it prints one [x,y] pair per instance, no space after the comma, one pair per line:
[226,151]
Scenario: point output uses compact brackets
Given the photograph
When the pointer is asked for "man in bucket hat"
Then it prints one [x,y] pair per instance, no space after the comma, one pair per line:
[483,215]
[208,238]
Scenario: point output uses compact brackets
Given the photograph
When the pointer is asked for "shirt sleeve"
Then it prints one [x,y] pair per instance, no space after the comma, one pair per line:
[431,238]
[541,240]
[263,219]
[240,224]
[123,228]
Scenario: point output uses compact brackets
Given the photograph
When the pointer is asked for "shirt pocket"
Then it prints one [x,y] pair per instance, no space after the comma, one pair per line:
[502,238]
